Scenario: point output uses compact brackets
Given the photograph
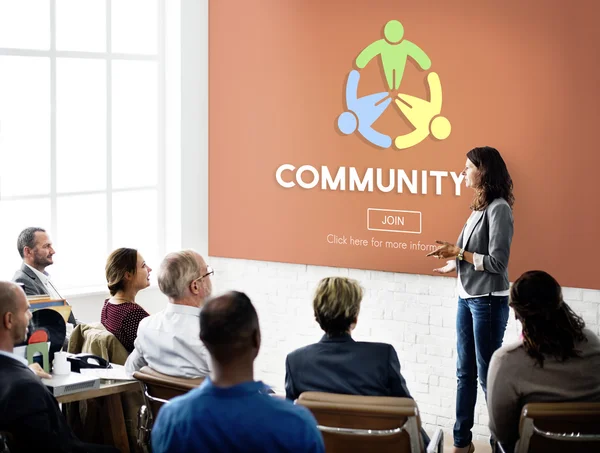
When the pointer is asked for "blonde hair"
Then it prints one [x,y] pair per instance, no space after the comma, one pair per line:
[336,304]
[177,271]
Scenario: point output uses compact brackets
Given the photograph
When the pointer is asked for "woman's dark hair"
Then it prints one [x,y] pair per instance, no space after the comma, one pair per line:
[495,181]
[550,327]
[120,262]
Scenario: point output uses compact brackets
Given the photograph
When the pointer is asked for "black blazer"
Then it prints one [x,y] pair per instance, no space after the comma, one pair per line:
[342,365]
[31,414]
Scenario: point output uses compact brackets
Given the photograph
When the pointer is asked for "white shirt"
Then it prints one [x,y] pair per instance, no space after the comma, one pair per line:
[169,342]
[478,264]
[45,279]
[14,356]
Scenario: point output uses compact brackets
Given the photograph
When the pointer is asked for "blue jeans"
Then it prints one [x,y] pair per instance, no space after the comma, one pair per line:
[480,326]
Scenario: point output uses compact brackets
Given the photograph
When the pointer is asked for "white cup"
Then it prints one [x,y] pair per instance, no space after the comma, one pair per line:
[61,365]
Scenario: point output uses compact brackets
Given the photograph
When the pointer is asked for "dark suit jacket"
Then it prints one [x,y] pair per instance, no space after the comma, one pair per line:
[342,365]
[32,285]
[31,414]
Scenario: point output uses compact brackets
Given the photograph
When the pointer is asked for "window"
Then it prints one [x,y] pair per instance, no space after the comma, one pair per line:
[82,131]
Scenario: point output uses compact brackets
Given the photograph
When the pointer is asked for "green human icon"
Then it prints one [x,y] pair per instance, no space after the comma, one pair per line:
[394,51]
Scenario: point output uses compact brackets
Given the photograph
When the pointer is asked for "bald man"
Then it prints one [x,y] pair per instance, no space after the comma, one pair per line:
[28,411]
[231,412]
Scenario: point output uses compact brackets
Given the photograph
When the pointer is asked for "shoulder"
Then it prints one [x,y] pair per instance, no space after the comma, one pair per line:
[593,341]
[20,275]
[375,347]
[304,351]
[180,407]
[134,310]
[293,413]
[499,205]
[510,352]
[148,319]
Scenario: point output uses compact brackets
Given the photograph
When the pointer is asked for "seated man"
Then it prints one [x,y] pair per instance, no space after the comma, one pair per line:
[556,360]
[169,341]
[28,411]
[230,411]
[35,247]
[337,363]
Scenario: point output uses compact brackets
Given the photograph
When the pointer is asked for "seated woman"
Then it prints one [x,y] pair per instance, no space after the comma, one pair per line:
[556,360]
[337,363]
[126,274]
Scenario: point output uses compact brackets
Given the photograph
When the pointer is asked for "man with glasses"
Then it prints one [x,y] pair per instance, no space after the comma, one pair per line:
[169,341]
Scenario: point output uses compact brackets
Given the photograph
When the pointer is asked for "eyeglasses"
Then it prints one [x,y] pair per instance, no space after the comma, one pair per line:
[209,271]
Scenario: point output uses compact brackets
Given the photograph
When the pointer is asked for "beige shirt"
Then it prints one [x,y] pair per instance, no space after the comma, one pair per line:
[515,379]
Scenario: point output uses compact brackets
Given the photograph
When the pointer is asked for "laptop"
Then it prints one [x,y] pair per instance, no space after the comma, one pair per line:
[71,383]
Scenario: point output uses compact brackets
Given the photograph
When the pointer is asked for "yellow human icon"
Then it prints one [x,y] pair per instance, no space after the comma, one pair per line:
[423,115]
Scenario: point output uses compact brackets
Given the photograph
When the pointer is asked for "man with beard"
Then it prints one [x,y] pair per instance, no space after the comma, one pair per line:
[35,247]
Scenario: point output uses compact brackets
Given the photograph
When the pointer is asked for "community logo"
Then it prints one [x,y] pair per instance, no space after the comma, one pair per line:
[424,115]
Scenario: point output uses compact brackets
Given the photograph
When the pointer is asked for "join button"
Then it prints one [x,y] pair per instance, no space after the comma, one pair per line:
[394,221]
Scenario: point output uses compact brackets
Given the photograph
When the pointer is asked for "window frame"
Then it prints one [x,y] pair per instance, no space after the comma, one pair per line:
[108,57]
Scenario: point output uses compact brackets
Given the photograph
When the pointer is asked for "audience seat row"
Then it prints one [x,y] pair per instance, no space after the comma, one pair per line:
[384,424]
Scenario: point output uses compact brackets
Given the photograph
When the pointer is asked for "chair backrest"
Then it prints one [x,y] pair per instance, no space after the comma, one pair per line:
[365,423]
[560,427]
[159,388]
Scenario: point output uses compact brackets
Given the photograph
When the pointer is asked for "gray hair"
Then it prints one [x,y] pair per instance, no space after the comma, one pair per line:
[177,271]
[27,239]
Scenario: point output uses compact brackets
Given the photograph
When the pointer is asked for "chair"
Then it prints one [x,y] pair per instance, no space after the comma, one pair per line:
[158,389]
[369,423]
[560,428]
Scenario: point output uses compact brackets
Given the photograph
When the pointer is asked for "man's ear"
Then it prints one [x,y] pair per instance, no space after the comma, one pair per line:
[26,251]
[256,339]
[196,287]
[7,320]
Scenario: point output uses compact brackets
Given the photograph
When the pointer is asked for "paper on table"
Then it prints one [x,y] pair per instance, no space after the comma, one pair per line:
[116,373]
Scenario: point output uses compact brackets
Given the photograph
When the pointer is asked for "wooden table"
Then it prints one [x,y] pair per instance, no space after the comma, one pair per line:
[110,390]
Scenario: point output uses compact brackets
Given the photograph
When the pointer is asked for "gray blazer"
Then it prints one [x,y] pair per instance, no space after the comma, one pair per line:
[490,234]
[32,285]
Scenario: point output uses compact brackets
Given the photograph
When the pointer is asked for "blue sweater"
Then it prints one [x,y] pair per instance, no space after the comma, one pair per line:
[241,418]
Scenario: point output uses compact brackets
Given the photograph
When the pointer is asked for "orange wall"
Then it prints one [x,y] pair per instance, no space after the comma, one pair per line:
[514,75]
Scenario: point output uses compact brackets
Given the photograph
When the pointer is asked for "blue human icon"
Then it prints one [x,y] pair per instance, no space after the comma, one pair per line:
[363,112]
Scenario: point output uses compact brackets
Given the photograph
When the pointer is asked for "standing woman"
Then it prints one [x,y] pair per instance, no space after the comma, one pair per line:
[481,259]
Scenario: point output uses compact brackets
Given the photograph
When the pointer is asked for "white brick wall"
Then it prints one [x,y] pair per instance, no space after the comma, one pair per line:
[415,313]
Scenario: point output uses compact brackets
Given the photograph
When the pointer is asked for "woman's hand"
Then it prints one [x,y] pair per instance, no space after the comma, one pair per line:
[446,250]
[449,267]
